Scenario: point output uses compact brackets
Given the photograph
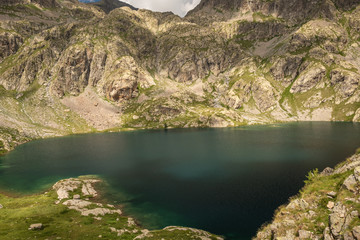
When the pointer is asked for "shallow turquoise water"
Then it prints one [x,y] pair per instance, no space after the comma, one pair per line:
[227,181]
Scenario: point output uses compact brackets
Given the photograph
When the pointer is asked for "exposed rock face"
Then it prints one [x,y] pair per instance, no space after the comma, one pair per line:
[338,220]
[345,83]
[286,69]
[9,44]
[308,79]
[334,214]
[227,63]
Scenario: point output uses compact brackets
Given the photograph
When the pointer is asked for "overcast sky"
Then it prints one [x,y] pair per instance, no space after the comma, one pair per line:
[179,7]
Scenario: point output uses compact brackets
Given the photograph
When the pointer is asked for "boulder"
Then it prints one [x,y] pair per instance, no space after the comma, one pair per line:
[303,234]
[330,205]
[331,194]
[350,183]
[36,226]
[327,171]
[76,196]
[298,203]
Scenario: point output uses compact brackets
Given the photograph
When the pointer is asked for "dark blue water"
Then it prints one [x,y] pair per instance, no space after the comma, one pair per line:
[226,181]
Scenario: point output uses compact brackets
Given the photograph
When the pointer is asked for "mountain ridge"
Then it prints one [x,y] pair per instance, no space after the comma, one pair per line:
[109,5]
[141,69]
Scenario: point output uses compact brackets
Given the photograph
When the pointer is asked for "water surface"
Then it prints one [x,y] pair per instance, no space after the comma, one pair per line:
[226,181]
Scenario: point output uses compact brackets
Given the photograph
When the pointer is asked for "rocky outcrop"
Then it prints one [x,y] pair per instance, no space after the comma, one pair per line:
[9,44]
[69,194]
[311,76]
[345,84]
[73,72]
[286,69]
[321,210]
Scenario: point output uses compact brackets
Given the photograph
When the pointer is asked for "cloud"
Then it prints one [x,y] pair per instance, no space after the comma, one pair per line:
[179,7]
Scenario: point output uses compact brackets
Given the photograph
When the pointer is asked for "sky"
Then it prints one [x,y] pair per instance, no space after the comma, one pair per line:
[179,7]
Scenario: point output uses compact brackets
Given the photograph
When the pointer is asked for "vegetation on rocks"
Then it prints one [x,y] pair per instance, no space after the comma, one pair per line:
[72,210]
[327,207]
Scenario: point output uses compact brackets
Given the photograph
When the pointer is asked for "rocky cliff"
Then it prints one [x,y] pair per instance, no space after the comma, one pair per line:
[326,208]
[69,67]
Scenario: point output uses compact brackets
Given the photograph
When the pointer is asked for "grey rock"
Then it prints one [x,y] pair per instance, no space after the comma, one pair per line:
[266,234]
[350,184]
[339,220]
[298,204]
[357,174]
[356,232]
[351,163]
[9,44]
[331,194]
[327,234]
[345,83]
[263,94]
[1,206]
[36,226]
[330,205]
[286,69]
[303,234]
[327,171]
[76,196]
[309,79]
[348,236]
[357,116]
[354,214]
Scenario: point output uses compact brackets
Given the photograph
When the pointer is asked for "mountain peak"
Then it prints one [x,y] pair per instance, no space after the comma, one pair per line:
[295,11]
[108,5]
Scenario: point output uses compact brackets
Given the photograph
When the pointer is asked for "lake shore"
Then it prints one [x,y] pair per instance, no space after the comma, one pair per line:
[73,208]
[133,137]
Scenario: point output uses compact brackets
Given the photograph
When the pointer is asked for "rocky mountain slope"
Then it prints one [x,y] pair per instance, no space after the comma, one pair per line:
[326,208]
[69,67]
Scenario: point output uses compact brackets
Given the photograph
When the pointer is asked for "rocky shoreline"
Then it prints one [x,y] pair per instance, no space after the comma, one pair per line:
[80,196]
[326,208]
